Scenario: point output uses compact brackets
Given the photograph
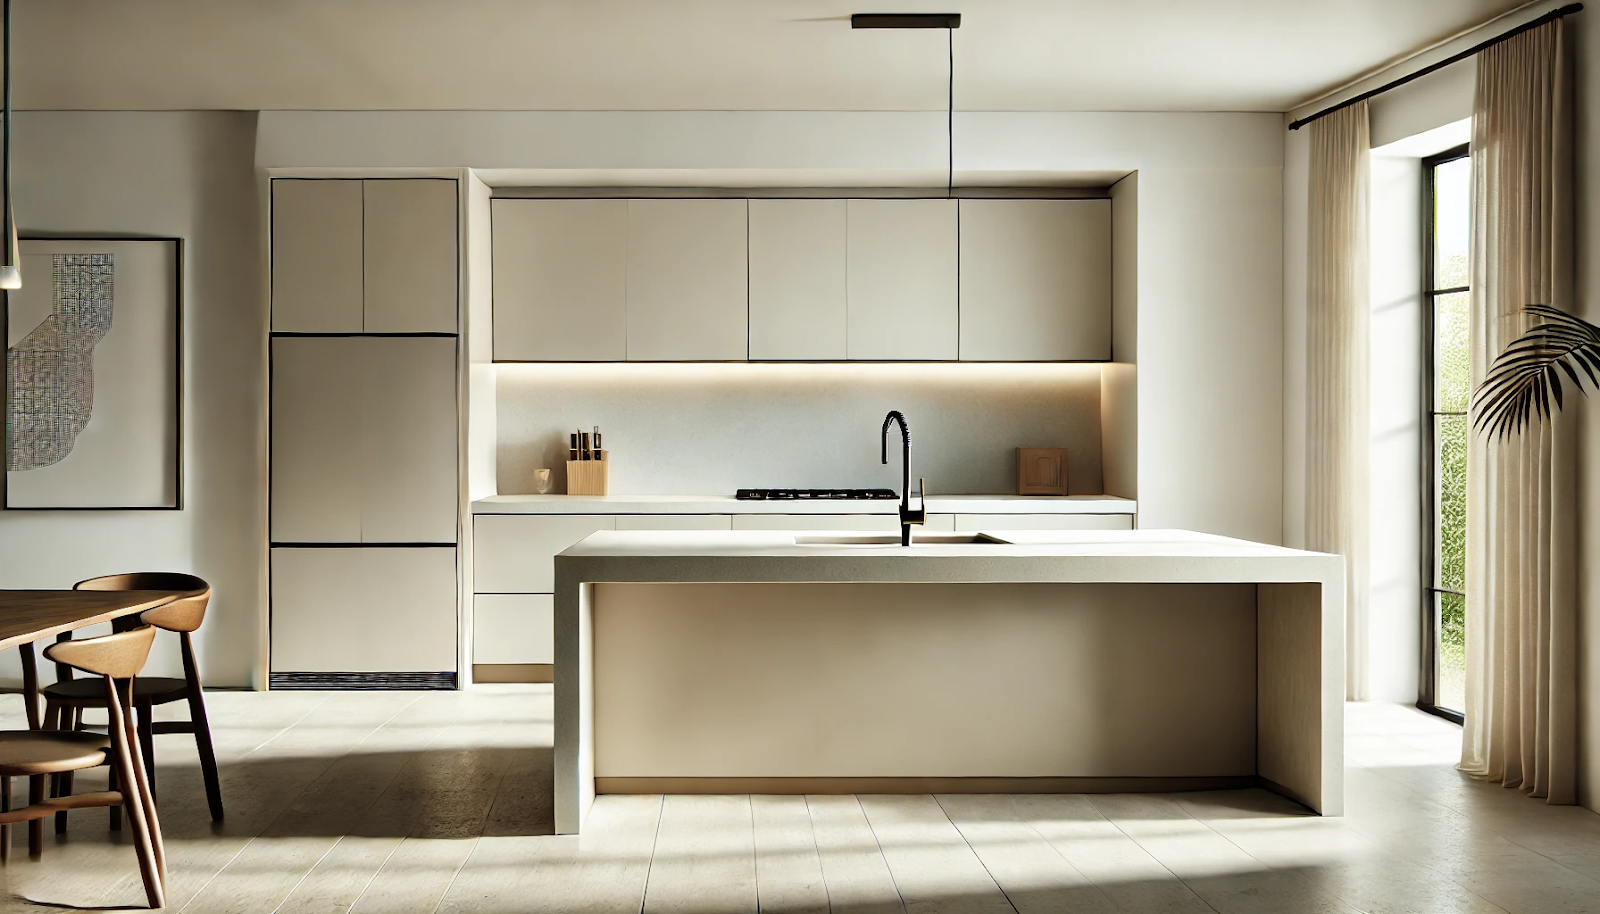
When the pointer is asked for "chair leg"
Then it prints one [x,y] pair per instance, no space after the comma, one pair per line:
[36,785]
[208,755]
[5,830]
[147,745]
[72,719]
[113,782]
[150,868]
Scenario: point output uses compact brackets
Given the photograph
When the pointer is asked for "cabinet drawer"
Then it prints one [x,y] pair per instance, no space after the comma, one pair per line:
[672,522]
[1044,521]
[364,610]
[515,553]
[513,628]
[879,522]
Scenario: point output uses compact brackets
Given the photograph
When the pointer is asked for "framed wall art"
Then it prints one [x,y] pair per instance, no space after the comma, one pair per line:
[93,379]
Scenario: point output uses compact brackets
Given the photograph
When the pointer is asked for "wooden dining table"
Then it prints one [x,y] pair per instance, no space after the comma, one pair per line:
[27,616]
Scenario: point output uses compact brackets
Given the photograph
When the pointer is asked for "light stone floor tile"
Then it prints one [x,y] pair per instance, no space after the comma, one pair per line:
[442,802]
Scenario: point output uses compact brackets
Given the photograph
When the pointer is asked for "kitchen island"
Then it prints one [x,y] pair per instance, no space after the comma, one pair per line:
[1023,661]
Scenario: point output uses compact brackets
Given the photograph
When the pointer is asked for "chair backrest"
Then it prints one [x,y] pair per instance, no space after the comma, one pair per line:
[181,615]
[119,656]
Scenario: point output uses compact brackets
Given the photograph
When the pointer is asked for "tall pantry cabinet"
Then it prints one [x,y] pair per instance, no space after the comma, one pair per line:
[364,498]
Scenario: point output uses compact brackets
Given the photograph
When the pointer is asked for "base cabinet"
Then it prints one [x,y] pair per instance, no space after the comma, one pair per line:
[364,610]
[513,628]
[998,522]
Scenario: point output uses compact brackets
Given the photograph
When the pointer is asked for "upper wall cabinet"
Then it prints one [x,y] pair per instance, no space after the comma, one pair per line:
[901,280]
[560,280]
[797,280]
[687,280]
[374,256]
[410,255]
[1035,280]
[316,255]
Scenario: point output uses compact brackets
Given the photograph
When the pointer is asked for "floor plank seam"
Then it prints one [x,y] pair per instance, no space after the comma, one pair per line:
[307,874]
[356,903]
[1011,801]
[1157,860]
[879,842]
[755,870]
[977,856]
[650,869]
[476,842]
[826,891]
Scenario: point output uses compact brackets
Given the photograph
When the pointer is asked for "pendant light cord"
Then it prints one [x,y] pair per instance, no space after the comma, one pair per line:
[5,150]
[949,124]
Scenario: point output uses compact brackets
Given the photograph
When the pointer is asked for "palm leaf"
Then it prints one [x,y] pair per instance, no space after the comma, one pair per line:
[1524,385]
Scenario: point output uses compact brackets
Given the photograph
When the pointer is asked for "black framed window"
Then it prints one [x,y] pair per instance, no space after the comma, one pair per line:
[1447,228]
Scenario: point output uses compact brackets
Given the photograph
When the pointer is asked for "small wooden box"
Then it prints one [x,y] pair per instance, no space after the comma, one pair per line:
[1041,471]
[588,477]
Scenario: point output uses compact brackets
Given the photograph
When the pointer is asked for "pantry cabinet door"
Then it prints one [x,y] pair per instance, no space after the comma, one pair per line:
[408,478]
[410,256]
[316,256]
[316,440]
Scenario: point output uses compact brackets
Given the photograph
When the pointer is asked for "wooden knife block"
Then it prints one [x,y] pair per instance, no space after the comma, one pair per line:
[1041,471]
[588,477]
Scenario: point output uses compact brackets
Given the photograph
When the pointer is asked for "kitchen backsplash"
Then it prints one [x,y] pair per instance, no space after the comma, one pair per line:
[712,428]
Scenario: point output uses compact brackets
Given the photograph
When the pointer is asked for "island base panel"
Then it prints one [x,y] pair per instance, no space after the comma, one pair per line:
[814,786]
[825,680]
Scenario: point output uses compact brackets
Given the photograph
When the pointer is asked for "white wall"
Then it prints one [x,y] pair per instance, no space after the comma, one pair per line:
[1210,228]
[709,428]
[185,174]
[1119,379]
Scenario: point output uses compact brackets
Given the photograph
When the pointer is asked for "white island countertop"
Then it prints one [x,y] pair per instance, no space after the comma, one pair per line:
[727,504]
[1144,556]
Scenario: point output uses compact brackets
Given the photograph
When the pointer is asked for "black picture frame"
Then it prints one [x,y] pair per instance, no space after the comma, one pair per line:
[175,396]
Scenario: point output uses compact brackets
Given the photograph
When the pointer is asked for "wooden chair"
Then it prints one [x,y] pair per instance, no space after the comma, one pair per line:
[35,754]
[66,699]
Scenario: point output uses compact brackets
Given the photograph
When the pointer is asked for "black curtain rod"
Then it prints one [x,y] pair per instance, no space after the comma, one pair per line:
[1551,16]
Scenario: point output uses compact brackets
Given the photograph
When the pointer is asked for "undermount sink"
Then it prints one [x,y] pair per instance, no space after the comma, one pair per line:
[888,539]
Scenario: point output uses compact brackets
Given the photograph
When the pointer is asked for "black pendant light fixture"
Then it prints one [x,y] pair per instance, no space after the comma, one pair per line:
[10,261]
[947,21]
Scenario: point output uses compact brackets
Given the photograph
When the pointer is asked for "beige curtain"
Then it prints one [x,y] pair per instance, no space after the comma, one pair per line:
[1336,340]
[1521,716]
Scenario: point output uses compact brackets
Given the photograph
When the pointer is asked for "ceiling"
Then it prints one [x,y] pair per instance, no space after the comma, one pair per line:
[1017,55]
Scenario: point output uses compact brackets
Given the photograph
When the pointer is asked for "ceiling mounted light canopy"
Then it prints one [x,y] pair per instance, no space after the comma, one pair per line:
[905,21]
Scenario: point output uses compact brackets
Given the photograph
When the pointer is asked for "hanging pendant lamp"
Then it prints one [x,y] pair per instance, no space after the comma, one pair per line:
[10,259]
